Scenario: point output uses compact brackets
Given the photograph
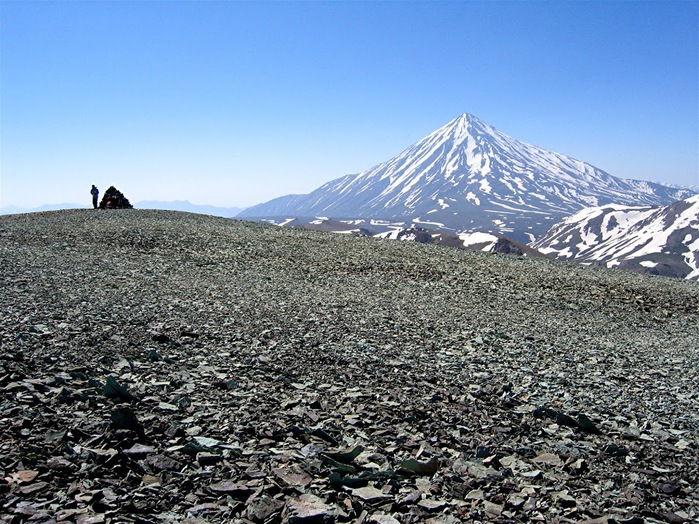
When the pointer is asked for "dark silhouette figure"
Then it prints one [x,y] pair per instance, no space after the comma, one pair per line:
[95,193]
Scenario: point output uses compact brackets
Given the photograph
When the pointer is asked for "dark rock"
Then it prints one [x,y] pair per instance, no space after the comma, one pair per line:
[566,420]
[483,452]
[413,466]
[161,338]
[526,451]
[544,412]
[231,489]
[225,384]
[262,508]
[153,356]
[112,389]
[587,425]
[615,451]
[669,488]
[125,418]
[208,459]
[114,199]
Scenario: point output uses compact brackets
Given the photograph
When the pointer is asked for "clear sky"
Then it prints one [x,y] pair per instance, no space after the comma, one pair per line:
[235,103]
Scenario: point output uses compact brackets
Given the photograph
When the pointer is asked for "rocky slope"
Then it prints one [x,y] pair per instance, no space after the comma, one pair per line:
[161,367]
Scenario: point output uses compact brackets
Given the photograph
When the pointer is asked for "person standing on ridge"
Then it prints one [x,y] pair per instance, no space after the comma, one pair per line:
[95,193]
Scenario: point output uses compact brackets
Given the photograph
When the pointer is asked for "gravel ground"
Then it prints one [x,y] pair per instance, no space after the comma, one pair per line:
[166,367]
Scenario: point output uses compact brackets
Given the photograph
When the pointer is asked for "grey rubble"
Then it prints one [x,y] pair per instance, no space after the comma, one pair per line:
[167,367]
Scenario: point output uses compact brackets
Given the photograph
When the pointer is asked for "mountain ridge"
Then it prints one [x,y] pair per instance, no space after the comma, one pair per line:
[657,240]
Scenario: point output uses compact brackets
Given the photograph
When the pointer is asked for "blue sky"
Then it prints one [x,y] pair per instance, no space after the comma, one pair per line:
[235,103]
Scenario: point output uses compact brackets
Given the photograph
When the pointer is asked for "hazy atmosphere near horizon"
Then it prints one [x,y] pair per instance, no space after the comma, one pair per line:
[235,103]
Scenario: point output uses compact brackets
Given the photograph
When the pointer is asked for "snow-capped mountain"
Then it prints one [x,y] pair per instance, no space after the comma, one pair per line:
[658,240]
[468,176]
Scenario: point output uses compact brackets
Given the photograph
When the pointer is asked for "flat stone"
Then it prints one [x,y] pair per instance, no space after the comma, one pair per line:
[492,509]
[293,476]
[163,463]
[549,459]
[140,449]
[234,489]
[475,494]
[308,507]
[151,481]
[432,504]
[371,494]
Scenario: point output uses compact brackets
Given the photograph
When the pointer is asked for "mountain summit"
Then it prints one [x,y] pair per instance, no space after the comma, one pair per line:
[469,176]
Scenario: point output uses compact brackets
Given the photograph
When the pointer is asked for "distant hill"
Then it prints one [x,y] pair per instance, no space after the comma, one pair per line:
[13,210]
[184,205]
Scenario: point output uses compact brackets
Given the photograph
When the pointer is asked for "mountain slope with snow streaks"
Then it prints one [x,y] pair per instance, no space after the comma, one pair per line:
[659,240]
[468,176]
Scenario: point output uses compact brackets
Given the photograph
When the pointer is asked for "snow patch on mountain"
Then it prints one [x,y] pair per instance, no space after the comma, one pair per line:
[486,241]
